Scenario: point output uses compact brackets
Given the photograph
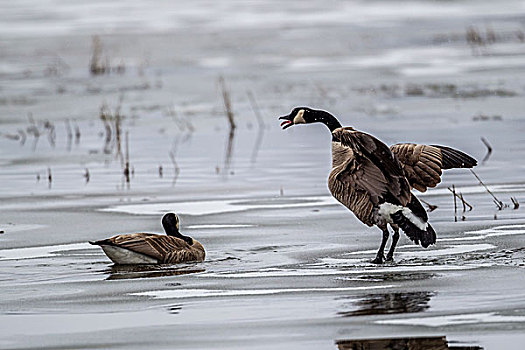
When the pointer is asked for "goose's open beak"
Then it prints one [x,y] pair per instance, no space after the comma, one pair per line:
[287,122]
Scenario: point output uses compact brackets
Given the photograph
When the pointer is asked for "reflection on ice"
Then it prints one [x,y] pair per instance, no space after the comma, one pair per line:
[389,303]
[122,272]
[434,343]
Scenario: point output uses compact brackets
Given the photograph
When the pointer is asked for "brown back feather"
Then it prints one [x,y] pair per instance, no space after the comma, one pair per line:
[365,173]
[166,249]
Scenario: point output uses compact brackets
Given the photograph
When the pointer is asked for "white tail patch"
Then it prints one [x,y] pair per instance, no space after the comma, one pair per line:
[386,209]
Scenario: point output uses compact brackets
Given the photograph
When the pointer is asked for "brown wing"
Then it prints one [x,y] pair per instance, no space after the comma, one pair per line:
[423,164]
[163,248]
[365,173]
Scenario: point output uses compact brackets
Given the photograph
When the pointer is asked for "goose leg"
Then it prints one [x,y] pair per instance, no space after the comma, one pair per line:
[381,252]
[395,238]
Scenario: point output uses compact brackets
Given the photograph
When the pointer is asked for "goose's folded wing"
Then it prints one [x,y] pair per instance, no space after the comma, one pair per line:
[373,170]
[423,164]
[155,246]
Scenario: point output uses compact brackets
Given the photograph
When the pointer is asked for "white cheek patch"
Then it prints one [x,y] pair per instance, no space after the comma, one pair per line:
[298,119]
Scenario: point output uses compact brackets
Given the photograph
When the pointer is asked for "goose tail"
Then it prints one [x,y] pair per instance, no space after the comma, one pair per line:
[416,229]
[101,242]
[412,219]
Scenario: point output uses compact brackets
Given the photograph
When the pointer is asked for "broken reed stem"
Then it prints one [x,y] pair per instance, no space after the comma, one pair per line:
[95,65]
[69,131]
[255,109]
[455,204]
[49,177]
[260,121]
[104,116]
[176,168]
[515,202]
[489,149]
[431,207]
[498,203]
[126,167]
[77,133]
[118,132]
[86,175]
[23,136]
[463,201]
[227,103]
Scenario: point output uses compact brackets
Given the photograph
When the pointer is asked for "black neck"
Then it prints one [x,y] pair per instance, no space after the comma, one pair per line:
[327,119]
[172,230]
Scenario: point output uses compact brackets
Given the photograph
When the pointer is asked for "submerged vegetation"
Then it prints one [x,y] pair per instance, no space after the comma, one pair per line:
[99,63]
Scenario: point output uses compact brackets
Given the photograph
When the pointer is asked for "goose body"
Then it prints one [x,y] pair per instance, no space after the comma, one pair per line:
[374,181]
[150,248]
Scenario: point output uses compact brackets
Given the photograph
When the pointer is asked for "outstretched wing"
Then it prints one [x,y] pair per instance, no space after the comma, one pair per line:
[423,164]
[156,246]
[365,173]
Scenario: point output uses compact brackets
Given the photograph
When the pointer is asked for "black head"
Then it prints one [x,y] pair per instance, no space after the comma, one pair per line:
[306,115]
[170,222]
[298,115]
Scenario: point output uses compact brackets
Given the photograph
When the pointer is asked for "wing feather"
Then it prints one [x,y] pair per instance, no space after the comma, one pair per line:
[156,246]
[423,164]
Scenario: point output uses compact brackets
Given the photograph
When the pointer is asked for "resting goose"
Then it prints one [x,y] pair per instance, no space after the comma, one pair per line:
[374,181]
[150,248]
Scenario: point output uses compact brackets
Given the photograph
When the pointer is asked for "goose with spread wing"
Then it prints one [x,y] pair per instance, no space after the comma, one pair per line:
[375,181]
[150,248]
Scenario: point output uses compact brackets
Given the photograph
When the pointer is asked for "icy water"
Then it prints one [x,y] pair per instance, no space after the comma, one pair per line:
[286,267]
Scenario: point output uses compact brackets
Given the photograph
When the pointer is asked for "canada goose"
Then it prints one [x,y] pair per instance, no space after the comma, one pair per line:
[150,248]
[374,181]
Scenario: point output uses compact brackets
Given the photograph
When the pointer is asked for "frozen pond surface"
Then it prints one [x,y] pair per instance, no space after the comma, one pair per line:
[287,266]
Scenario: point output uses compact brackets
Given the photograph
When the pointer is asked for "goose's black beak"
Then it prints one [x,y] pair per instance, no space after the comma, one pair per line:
[287,121]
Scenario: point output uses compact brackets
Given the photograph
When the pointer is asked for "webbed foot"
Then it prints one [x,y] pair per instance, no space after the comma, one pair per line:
[380,258]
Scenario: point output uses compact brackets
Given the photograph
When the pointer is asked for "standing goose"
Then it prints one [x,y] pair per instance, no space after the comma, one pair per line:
[369,179]
[150,248]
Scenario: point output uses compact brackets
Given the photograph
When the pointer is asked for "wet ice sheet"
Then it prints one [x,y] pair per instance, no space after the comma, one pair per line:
[9,228]
[331,272]
[462,249]
[79,323]
[40,252]
[219,226]
[450,320]
[196,293]
[496,231]
[223,206]
[431,252]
